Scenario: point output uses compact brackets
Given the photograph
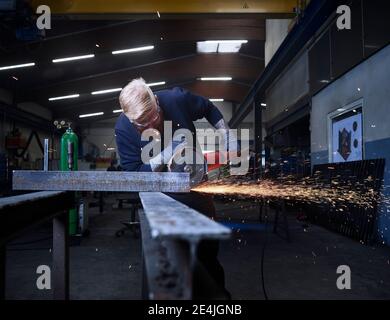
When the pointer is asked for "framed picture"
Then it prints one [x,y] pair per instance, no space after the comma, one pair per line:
[346,127]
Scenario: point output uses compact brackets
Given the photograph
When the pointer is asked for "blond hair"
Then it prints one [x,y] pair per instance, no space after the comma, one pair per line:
[137,100]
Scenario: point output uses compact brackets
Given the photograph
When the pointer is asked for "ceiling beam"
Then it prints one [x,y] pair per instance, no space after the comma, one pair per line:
[242,70]
[167,6]
[137,33]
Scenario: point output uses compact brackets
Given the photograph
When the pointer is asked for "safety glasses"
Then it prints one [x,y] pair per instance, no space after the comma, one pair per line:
[145,125]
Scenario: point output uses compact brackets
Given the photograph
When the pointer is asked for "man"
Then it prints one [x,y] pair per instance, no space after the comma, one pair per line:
[143,110]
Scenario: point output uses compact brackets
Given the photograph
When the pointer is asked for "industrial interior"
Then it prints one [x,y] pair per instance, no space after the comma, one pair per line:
[304,83]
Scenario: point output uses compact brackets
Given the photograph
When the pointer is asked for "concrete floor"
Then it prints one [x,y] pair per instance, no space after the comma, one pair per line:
[106,267]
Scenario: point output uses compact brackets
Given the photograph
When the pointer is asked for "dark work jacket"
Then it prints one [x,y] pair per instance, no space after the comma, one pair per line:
[179,106]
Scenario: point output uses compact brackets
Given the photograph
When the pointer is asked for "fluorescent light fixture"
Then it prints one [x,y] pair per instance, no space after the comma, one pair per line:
[263,104]
[87,56]
[71,96]
[217,100]
[153,84]
[117,111]
[216,78]
[133,50]
[219,46]
[91,115]
[31,64]
[226,41]
[106,91]
[111,149]
[341,109]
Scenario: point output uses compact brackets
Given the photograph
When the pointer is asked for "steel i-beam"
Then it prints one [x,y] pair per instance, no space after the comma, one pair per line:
[101,181]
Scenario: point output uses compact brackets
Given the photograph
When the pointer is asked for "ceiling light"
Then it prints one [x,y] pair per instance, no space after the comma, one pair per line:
[71,96]
[133,50]
[216,78]
[217,100]
[219,46]
[87,56]
[226,41]
[153,84]
[106,91]
[117,111]
[18,66]
[91,114]
[263,104]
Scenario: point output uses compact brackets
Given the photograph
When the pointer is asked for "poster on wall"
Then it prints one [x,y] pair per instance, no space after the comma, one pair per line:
[347,136]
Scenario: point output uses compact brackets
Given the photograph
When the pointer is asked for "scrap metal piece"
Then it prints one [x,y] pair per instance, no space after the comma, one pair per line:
[170,219]
[101,181]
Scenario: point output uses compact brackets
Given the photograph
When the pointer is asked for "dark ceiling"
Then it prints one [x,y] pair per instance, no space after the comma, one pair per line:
[174,60]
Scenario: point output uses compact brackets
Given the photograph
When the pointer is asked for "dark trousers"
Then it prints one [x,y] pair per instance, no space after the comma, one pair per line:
[207,252]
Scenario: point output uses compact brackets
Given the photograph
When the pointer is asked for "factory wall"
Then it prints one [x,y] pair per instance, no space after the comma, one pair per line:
[287,89]
[36,109]
[99,141]
[34,152]
[369,84]
[276,31]
[6,96]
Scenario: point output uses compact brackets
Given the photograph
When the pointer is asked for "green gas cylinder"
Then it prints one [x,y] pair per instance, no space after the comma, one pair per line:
[68,162]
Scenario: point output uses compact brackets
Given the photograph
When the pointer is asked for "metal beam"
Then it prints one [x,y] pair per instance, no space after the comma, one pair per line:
[166,6]
[19,213]
[170,219]
[171,233]
[61,256]
[101,181]
[258,139]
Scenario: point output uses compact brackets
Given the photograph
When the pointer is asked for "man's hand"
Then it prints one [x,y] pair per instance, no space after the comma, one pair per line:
[159,162]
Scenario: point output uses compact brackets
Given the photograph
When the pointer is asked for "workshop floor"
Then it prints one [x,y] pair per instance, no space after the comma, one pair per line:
[106,267]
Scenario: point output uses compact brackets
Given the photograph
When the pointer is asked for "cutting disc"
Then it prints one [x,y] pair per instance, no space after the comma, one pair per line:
[187,159]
